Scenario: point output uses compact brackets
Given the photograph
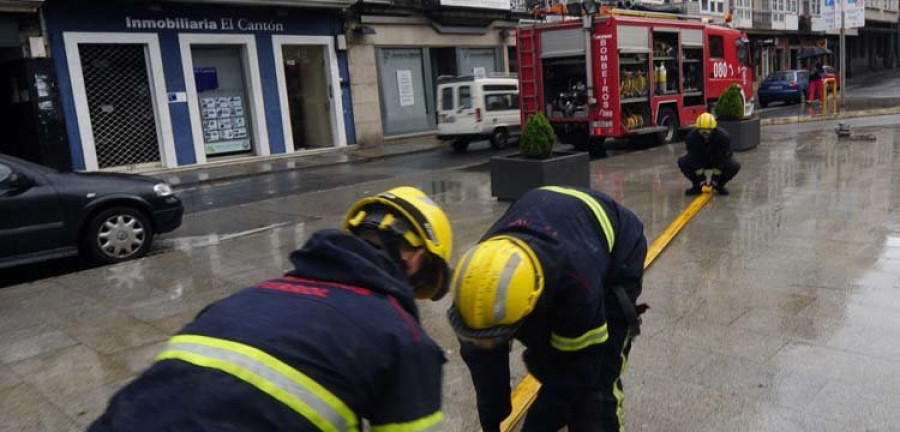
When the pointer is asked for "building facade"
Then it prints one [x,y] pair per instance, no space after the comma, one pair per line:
[399,49]
[147,85]
[30,111]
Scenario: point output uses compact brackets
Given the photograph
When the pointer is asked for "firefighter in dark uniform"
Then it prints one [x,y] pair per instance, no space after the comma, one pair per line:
[334,341]
[708,148]
[560,272]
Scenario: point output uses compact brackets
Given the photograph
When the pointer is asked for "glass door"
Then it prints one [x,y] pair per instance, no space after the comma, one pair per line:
[309,95]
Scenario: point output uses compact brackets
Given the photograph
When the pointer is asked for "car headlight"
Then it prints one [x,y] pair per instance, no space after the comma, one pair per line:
[162,190]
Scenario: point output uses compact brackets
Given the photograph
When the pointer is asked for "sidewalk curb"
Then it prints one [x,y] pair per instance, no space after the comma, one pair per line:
[839,116]
[362,158]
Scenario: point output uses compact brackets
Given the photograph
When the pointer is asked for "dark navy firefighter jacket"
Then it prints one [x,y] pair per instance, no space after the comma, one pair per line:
[334,341]
[564,332]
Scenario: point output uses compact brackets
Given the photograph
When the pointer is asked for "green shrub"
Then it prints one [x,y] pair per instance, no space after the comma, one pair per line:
[537,137]
[730,106]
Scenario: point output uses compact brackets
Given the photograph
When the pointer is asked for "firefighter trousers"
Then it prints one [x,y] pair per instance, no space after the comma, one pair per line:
[598,407]
[722,173]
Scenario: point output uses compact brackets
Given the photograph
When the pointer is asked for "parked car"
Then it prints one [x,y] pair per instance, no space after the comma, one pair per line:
[831,72]
[784,86]
[472,109]
[106,217]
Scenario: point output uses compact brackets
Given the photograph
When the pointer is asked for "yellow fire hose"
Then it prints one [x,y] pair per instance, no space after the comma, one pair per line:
[525,393]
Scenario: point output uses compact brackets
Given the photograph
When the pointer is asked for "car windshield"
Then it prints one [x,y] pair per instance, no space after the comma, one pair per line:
[780,76]
[30,165]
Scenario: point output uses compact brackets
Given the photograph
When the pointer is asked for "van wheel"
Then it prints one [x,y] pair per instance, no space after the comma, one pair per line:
[460,146]
[500,139]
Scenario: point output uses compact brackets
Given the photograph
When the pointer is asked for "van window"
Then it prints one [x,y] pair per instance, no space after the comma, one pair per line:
[716,47]
[500,102]
[447,98]
[500,87]
[465,97]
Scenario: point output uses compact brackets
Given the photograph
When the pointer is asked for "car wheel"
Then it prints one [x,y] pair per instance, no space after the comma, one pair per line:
[460,146]
[668,119]
[763,103]
[499,139]
[117,234]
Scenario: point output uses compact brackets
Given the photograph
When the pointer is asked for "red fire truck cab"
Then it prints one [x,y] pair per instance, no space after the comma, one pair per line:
[620,76]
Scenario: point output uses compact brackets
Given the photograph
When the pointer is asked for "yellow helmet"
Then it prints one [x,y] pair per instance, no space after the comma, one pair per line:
[706,121]
[497,285]
[410,213]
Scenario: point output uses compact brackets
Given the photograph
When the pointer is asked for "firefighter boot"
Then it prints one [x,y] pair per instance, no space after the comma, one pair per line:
[720,188]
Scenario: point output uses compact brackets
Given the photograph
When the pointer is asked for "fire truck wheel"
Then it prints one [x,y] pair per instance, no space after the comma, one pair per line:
[669,119]
[597,148]
[460,146]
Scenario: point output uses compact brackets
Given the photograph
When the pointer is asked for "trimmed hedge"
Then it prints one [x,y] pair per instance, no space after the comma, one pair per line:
[537,138]
[730,106]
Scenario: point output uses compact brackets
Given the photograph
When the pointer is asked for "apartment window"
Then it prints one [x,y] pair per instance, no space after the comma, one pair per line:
[712,6]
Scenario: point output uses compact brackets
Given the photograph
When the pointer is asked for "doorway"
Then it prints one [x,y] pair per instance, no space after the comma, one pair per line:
[120,100]
[309,96]
[309,83]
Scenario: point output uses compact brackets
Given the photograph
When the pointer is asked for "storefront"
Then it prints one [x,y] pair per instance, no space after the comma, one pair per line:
[165,85]
[409,58]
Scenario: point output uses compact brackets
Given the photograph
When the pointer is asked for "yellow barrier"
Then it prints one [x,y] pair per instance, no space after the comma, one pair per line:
[526,392]
[826,83]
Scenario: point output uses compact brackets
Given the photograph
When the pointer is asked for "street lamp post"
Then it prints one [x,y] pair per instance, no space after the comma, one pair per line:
[843,71]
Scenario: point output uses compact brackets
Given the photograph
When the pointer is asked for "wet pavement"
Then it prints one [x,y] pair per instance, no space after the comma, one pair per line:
[777,308]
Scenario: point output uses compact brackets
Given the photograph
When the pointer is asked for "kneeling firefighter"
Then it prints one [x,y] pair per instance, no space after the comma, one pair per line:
[332,342]
[560,272]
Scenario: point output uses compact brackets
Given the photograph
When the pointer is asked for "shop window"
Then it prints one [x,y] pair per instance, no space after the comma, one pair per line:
[447,99]
[501,102]
[222,96]
[465,97]
[716,47]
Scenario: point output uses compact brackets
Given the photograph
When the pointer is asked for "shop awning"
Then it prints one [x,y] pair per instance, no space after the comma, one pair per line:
[20,5]
[338,4]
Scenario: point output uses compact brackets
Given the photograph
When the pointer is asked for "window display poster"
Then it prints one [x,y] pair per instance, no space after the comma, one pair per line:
[224,124]
[405,87]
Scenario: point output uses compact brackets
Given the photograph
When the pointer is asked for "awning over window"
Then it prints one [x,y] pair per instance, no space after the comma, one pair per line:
[20,5]
[339,4]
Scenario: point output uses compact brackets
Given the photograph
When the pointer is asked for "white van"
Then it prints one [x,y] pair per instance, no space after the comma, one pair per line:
[475,108]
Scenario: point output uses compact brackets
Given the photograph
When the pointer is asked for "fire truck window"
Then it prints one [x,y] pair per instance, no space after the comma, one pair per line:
[465,97]
[716,47]
[743,52]
[447,98]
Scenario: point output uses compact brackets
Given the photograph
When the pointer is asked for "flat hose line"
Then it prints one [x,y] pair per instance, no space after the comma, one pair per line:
[526,391]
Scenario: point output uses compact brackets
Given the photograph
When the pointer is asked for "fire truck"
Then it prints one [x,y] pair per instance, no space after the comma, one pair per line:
[628,74]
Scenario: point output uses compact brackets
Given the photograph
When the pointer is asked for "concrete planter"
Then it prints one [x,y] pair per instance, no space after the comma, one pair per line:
[512,176]
[745,134]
